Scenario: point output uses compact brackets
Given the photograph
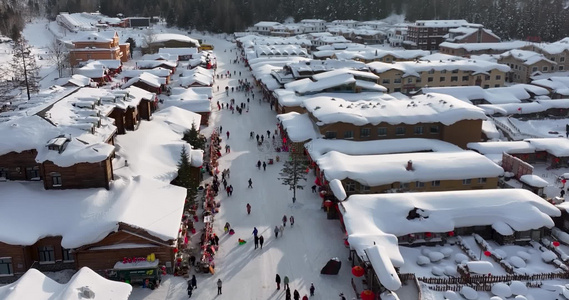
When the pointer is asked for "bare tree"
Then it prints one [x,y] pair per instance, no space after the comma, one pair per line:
[58,55]
[25,71]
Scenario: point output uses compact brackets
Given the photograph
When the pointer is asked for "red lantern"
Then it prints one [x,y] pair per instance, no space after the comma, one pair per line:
[487,253]
[358,271]
[328,203]
[367,295]
[563,181]
[346,243]
[451,233]
[556,244]
[428,234]
[175,250]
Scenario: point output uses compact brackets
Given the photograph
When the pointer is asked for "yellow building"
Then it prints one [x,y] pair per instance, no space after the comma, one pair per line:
[97,46]
[407,77]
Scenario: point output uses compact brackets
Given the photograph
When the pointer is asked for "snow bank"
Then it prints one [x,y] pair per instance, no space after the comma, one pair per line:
[534,180]
[338,189]
[383,268]
[35,285]
[501,289]
[480,267]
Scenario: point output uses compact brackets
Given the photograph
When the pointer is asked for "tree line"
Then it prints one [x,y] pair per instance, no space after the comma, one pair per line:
[510,19]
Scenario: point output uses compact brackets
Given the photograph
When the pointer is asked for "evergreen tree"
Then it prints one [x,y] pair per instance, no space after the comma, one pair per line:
[194,138]
[185,178]
[23,67]
[292,173]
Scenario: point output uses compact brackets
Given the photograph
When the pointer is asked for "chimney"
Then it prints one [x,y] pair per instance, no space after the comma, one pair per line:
[410,165]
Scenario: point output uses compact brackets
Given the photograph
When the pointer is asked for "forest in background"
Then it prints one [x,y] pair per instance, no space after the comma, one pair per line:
[510,19]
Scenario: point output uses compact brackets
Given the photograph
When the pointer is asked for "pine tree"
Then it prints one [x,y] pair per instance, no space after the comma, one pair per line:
[23,67]
[194,138]
[185,178]
[292,173]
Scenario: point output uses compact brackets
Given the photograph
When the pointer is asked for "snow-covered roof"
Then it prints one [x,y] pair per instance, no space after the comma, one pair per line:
[534,180]
[512,147]
[179,51]
[364,80]
[553,48]
[440,23]
[147,78]
[160,72]
[195,77]
[191,99]
[472,47]
[35,285]
[106,63]
[556,146]
[413,68]
[266,24]
[428,108]
[526,56]
[318,147]
[500,95]
[376,170]
[79,80]
[383,267]
[92,36]
[371,54]
[337,189]
[299,127]
[280,50]
[86,216]
[367,221]
[151,64]
[160,56]
[164,37]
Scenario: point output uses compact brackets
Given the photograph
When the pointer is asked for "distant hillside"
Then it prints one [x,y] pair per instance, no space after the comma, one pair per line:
[510,19]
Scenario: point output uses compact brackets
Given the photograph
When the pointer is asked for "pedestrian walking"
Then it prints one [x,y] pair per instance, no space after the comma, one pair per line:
[262,138]
[276,231]
[261,241]
[285,282]
[256,241]
[562,193]
[215,239]
[224,183]
[278,281]
[194,282]
[296,295]
[227,134]
[342,296]
[281,229]
[284,220]
[218,106]
[259,164]
[264,166]
[255,231]
[230,189]
[250,183]
[219,286]
[305,297]
[268,133]
[287,294]
[227,173]
[291,219]
[257,138]
[220,129]
[248,208]
[312,289]
[226,227]
[251,135]
[314,188]
[190,289]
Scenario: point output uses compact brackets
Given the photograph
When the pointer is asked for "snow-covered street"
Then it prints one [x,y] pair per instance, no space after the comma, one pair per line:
[302,251]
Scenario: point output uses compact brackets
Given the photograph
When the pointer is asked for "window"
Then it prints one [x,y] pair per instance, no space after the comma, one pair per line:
[405,185]
[436,183]
[396,90]
[486,77]
[418,80]
[382,131]
[400,131]
[534,69]
[561,68]
[498,77]
[4,173]
[442,78]
[464,78]
[33,172]
[432,71]
[67,255]
[364,188]
[466,181]
[455,71]
[443,71]
[434,129]
[6,266]
[453,78]
[365,132]
[481,180]
[330,134]
[418,130]
[397,80]
[46,254]
[350,187]
[429,79]
[562,59]
[552,58]
[385,81]
[56,179]
[419,184]
[409,80]
[486,86]
[348,134]
[544,68]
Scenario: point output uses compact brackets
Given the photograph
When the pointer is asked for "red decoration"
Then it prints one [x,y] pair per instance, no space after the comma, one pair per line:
[451,233]
[328,203]
[487,253]
[367,295]
[193,230]
[346,243]
[175,250]
[428,234]
[556,244]
[358,271]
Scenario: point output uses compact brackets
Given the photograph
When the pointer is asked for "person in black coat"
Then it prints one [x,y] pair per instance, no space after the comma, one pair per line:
[261,240]
[278,281]
[194,282]
[296,295]
[287,294]
[190,289]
